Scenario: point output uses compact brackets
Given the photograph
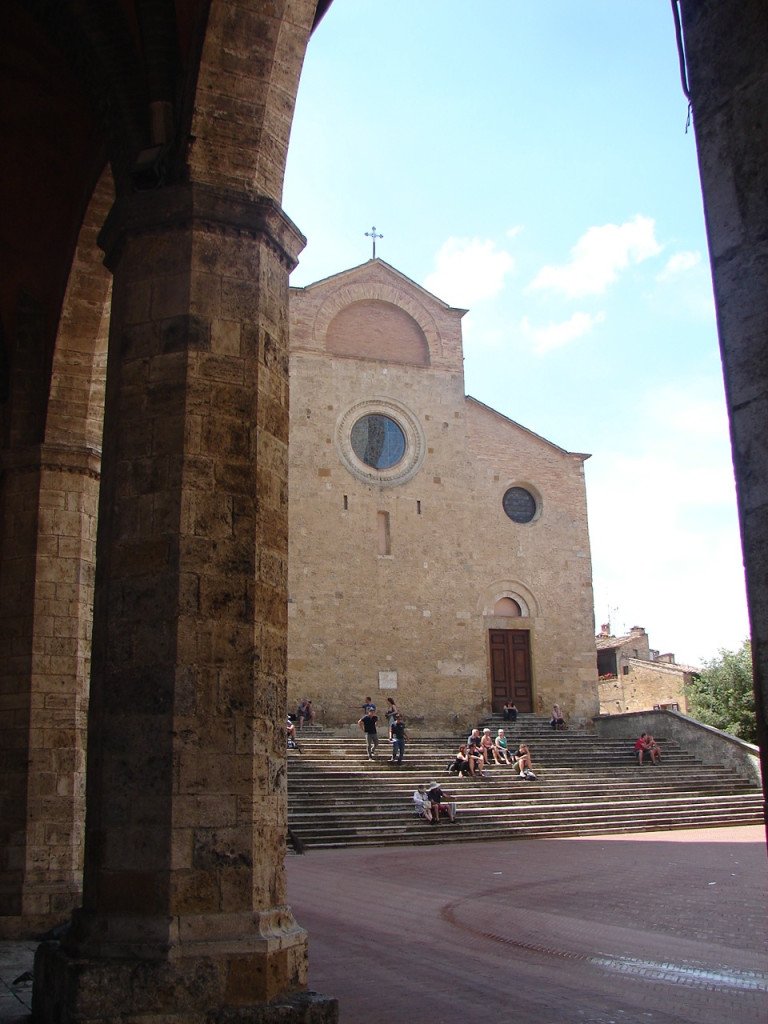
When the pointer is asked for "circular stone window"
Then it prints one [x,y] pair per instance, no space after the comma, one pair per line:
[380,441]
[520,505]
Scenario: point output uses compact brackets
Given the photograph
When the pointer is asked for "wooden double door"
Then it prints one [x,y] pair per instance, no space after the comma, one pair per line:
[511,668]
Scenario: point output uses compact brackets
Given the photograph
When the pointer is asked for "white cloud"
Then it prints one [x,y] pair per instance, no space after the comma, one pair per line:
[556,335]
[665,551]
[469,270]
[663,525]
[598,256]
[679,263]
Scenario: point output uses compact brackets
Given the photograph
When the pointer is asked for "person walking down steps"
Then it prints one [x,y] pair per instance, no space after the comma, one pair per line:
[398,739]
[368,724]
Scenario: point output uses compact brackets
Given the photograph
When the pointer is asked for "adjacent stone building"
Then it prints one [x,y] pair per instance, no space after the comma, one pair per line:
[439,551]
[633,677]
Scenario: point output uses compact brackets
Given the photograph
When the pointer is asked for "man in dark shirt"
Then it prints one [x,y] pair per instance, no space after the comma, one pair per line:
[368,724]
[398,739]
[440,801]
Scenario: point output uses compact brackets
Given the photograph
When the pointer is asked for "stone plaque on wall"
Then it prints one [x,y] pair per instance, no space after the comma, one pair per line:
[387,680]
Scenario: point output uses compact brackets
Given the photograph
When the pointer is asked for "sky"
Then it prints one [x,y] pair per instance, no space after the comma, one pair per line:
[530,162]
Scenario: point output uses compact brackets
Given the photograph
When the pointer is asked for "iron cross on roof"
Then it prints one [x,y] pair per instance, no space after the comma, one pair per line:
[373,236]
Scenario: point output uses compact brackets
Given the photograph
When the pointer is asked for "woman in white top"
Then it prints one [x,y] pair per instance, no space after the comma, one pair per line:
[422,803]
[500,747]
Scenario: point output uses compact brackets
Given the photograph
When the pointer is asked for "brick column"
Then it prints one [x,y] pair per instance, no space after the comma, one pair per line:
[184,915]
[726,45]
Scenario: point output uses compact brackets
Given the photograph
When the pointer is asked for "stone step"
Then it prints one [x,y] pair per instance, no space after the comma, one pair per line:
[495,801]
[513,825]
[402,778]
[552,774]
[586,756]
[543,807]
[538,814]
[542,803]
[422,832]
[584,786]
[443,747]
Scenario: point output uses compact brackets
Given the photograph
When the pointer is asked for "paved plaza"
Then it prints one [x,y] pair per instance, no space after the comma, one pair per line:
[652,928]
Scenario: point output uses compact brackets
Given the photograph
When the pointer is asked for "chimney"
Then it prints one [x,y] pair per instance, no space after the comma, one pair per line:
[605,629]
[637,629]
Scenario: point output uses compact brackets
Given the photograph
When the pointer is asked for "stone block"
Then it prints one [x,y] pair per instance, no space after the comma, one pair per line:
[195,892]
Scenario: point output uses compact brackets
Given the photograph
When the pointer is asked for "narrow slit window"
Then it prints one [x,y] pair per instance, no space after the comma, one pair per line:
[385,540]
[418,508]
[346,503]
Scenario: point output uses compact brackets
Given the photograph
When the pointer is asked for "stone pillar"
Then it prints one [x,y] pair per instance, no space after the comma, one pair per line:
[48,559]
[184,915]
[50,499]
[726,45]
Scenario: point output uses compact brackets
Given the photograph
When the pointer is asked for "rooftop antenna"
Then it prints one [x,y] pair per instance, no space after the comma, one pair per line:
[373,236]
[613,614]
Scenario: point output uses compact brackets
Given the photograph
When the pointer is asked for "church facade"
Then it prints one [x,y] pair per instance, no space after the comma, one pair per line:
[439,552]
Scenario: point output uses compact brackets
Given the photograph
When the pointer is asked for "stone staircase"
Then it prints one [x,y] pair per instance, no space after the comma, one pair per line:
[585,786]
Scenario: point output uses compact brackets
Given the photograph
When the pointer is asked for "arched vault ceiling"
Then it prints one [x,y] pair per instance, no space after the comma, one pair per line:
[83,83]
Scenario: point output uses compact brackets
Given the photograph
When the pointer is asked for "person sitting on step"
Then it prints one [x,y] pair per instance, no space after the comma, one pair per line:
[290,732]
[475,754]
[557,722]
[488,748]
[522,759]
[501,748]
[653,748]
[422,803]
[642,747]
[473,744]
[462,764]
[305,712]
[441,801]
[509,711]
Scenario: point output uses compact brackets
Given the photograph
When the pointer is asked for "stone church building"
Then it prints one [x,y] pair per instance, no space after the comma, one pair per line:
[439,551]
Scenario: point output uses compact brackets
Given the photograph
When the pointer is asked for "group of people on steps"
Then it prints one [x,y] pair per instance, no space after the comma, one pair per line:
[482,749]
[395,723]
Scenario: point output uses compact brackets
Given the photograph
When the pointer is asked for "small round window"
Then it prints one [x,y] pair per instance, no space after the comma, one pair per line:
[378,441]
[519,504]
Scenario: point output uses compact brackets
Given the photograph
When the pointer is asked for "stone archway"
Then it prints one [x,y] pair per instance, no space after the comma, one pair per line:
[188,681]
[53,569]
[187,693]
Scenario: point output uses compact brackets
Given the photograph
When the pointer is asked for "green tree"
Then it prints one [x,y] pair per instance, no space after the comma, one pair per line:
[721,694]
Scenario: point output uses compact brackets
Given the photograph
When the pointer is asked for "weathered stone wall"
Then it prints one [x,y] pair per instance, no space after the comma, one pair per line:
[423,611]
[645,684]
